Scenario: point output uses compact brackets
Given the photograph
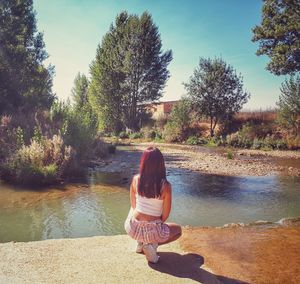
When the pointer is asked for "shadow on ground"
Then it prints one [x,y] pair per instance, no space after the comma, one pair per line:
[188,266]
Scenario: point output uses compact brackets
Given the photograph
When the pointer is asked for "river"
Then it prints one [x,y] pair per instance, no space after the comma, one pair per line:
[99,205]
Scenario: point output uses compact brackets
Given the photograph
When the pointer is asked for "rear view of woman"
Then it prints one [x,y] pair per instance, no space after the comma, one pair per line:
[151,201]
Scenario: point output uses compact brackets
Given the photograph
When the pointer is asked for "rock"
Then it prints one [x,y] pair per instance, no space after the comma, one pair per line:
[233,225]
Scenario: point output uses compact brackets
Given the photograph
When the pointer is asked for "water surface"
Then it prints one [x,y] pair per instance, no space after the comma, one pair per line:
[100,206]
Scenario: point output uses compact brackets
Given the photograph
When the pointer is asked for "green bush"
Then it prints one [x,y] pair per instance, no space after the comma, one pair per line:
[202,141]
[281,144]
[38,163]
[229,155]
[172,132]
[79,131]
[148,132]
[293,142]
[178,126]
[123,135]
[211,142]
[257,143]
[214,141]
[192,140]
[136,135]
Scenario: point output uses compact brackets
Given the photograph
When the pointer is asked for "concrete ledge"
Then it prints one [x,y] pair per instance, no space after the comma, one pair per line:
[104,259]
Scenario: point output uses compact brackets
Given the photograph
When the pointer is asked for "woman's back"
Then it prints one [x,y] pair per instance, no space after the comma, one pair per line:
[148,206]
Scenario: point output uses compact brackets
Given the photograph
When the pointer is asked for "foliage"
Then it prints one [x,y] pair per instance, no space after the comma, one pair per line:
[214,141]
[123,135]
[38,163]
[216,91]
[129,69]
[160,122]
[25,83]
[256,137]
[178,124]
[172,133]
[79,131]
[148,132]
[136,135]
[80,91]
[289,105]
[192,140]
[279,35]
[293,142]
[229,155]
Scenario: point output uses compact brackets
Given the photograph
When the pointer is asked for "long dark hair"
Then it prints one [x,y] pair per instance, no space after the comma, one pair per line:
[152,173]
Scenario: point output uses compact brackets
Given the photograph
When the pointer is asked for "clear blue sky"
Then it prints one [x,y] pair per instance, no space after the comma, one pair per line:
[191,28]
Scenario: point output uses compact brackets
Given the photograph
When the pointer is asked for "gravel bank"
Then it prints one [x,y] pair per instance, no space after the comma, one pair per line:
[207,160]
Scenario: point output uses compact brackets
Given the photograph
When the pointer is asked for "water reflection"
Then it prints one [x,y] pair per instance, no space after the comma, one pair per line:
[101,206]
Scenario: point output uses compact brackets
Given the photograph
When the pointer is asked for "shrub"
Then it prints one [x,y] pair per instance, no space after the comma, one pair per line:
[257,143]
[172,133]
[192,140]
[148,133]
[39,163]
[229,155]
[281,144]
[178,125]
[136,135]
[160,122]
[293,142]
[79,131]
[211,142]
[123,135]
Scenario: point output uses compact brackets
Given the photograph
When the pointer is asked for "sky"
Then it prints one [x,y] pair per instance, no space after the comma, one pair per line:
[190,28]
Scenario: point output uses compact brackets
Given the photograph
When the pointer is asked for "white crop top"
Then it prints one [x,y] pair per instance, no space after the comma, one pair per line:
[149,206]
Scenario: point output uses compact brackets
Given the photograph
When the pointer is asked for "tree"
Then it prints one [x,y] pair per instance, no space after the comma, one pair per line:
[106,78]
[130,69]
[179,121]
[216,91]
[279,35]
[80,90]
[25,83]
[289,104]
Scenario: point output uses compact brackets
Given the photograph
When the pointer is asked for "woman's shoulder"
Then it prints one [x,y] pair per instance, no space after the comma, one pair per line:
[166,186]
[136,177]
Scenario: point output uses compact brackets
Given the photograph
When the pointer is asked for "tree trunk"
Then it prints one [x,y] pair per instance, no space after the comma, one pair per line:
[211,127]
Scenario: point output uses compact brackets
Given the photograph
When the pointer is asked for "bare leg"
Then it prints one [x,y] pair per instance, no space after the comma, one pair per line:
[175,233]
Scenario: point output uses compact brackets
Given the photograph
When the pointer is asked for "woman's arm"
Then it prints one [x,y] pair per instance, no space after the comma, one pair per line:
[167,204]
[132,192]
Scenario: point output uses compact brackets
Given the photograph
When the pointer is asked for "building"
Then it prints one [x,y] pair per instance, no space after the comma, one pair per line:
[160,109]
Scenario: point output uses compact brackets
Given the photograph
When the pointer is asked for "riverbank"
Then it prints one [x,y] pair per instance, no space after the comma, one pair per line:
[207,160]
[251,254]
[109,259]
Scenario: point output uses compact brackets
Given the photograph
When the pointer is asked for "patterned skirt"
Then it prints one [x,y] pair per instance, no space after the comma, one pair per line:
[146,231]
